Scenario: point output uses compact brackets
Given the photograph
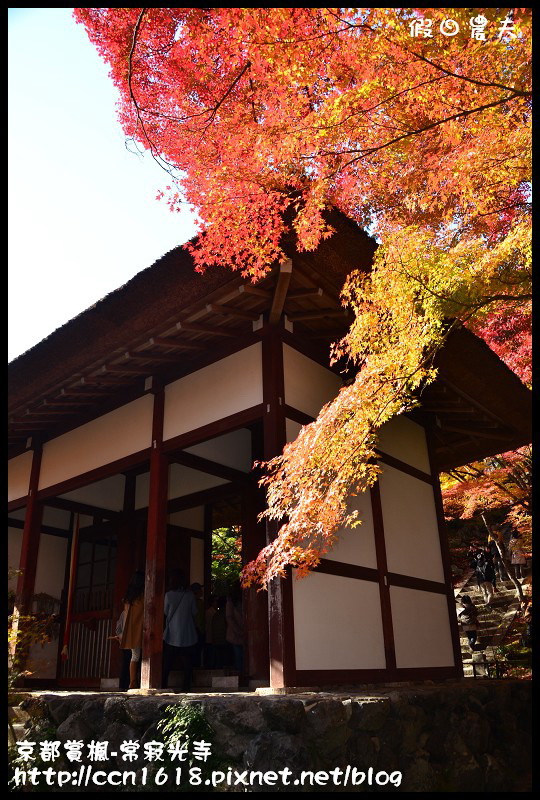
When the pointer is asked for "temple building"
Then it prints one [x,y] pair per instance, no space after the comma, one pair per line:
[133,430]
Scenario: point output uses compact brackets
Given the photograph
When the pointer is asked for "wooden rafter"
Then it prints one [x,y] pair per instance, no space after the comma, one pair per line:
[61,404]
[169,341]
[30,425]
[42,412]
[162,358]
[226,310]
[298,294]
[439,409]
[107,380]
[128,369]
[248,288]
[214,330]
[296,316]
[482,432]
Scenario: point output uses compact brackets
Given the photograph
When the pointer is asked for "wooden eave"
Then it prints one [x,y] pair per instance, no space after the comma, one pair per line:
[478,407]
[169,321]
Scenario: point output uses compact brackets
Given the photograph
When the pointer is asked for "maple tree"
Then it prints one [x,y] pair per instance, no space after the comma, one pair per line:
[265,118]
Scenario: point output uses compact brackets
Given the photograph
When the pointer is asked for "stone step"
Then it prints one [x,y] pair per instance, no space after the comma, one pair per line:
[19,730]
[206,678]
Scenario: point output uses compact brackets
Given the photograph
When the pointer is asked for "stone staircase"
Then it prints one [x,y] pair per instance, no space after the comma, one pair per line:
[493,622]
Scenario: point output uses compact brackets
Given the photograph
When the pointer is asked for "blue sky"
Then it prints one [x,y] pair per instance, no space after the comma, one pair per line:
[83,218]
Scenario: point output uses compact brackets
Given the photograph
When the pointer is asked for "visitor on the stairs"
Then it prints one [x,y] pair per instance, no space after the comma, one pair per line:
[482,563]
[517,555]
[496,541]
[468,618]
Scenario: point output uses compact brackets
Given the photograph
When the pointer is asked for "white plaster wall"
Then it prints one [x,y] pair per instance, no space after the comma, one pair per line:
[142,490]
[404,439]
[19,475]
[108,493]
[421,628]
[308,385]
[357,545]
[231,449]
[292,429]
[56,517]
[119,433]
[51,565]
[42,659]
[337,623]
[196,568]
[411,531]
[49,579]
[190,518]
[214,392]
[184,480]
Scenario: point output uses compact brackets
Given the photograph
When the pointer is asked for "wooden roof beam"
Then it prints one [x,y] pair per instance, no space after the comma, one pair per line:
[30,425]
[248,288]
[471,401]
[298,294]
[125,368]
[226,310]
[280,292]
[41,411]
[169,341]
[456,409]
[482,432]
[162,358]
[84,401]
[109,380]
[297,316]
[195,327]
[75,391]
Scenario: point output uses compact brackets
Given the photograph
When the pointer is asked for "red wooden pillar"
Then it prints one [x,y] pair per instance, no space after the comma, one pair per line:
[156,539]
[30,540]
[125,562]
[382,567]
[29,553]
[280,602]
[207,553]
[256,603]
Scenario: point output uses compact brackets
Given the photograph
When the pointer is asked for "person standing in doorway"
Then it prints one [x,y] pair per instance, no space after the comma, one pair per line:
[197,589]
[235,626]
[180,634]
[131,638]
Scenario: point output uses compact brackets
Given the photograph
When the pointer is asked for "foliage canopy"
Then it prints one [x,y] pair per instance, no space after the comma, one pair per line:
[425,138]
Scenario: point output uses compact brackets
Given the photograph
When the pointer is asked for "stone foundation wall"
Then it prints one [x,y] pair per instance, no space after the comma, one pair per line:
[456,737]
